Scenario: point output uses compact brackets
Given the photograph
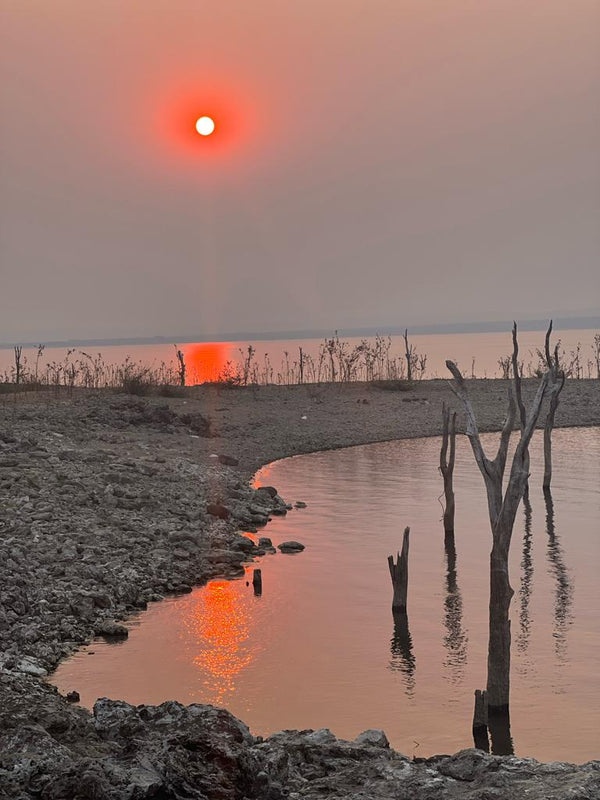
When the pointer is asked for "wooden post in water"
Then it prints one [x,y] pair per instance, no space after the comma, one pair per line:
[447,465]
[480,721]
[399,575]
[257,581]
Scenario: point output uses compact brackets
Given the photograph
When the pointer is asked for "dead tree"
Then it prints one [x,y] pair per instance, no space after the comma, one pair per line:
[181,368]
[557,381]
[409,355]
[18,351]
[257,582]
[502,509]
[480,722]
[447,465]
[399,575]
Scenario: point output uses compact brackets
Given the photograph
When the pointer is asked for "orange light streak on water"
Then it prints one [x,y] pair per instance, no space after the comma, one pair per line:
[219,629]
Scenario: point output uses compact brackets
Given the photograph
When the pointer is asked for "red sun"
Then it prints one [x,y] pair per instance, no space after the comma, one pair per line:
[208,125]
[205,126]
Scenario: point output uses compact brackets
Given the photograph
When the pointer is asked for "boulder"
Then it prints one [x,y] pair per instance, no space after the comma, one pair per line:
[291,547]
[110,628]
[373,737]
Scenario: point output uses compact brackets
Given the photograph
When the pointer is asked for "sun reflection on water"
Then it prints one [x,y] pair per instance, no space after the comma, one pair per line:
[219,631]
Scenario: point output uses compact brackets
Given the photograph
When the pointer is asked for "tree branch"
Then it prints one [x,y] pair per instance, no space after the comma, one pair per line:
[517,376]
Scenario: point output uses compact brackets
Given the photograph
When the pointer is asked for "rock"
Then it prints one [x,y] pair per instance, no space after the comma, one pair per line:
[269,490]
[218,510]
[291,547]
[299,504]
[373,737]
[111,628]
[264,541]
[73,697]
[244,544]
[29,666]
[229,461]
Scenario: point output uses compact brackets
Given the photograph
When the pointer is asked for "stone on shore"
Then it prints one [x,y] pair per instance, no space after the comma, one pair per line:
[291,547]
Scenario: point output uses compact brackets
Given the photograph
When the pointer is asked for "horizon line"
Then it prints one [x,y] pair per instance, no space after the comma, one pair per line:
[564,323]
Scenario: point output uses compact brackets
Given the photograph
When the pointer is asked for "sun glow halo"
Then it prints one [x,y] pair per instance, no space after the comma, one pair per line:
[205,126]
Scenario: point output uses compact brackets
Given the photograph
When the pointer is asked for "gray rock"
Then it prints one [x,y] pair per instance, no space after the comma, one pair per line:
[29,666]
[229,461]
[111,628]
[373,737]
[269,490]
[291,547]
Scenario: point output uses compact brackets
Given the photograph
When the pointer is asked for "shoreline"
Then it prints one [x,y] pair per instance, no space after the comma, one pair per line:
[107,509]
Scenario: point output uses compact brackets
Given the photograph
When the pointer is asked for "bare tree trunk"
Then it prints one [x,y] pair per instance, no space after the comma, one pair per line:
[548,428]
[502,512]
[447,465]
[557,377]
[399,575]
[480,722]
[501,592]
[408,356]
[499,727]
[181,369]
[18,350]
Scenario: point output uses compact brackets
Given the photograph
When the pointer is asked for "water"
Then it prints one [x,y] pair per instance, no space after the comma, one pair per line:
[319,648]
[277,360]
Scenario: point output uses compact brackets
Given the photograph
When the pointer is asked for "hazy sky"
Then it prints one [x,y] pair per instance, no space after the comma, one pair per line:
[376,162]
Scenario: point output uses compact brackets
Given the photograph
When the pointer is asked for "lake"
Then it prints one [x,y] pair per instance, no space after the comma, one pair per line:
[319,648]
[277,361]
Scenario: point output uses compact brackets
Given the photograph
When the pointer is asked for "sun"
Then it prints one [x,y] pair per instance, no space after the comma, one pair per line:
[205,126]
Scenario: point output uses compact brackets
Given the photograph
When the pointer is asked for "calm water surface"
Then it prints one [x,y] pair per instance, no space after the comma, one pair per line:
[320,649]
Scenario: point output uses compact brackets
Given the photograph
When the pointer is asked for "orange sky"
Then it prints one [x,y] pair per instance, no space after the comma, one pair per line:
[377,163]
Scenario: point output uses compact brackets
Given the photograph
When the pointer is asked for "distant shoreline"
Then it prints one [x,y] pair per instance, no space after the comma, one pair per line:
[560,323]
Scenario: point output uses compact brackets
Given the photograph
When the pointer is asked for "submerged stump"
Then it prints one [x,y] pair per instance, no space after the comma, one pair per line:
[257,581]
[399,575]
[480,721]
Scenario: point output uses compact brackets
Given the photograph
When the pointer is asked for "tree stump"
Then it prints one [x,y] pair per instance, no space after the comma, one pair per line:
[480,721]
[399,575]
[257,582]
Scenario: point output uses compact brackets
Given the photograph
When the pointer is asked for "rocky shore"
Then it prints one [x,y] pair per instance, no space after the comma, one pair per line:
[110,501]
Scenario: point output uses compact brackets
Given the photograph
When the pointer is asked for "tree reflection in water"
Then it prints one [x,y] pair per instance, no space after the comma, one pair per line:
[456,638]
[563,599]
[526,579]
[403,659]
